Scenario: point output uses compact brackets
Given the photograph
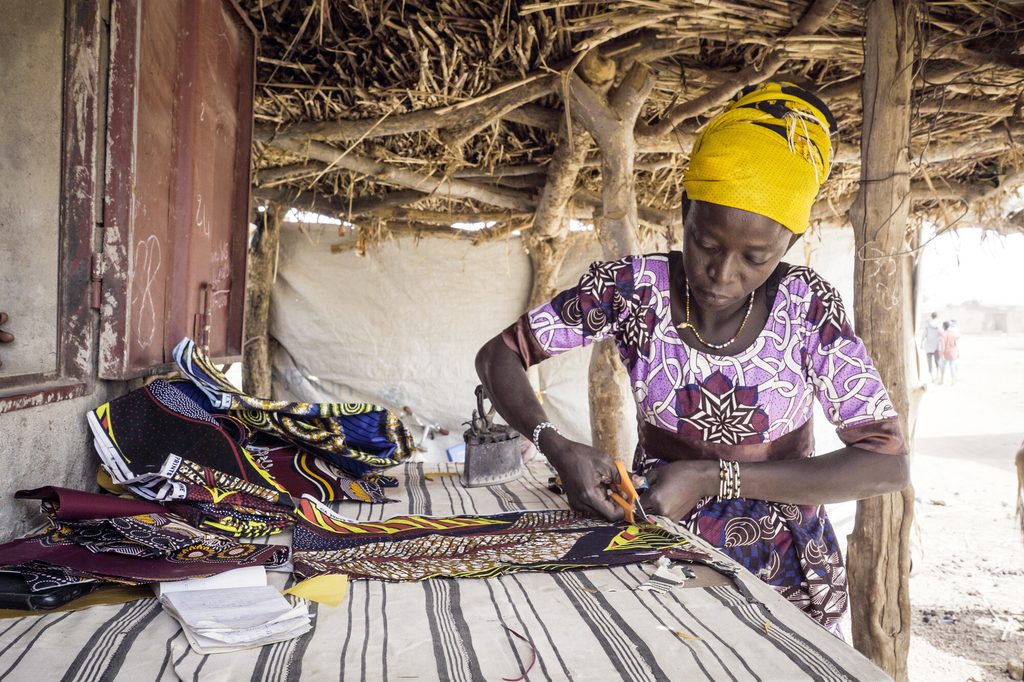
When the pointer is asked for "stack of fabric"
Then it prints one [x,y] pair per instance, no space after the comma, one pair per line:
[206,461]
[93,539]
[234,464]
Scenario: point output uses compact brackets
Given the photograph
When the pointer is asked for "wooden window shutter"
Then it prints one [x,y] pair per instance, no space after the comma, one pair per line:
[177,198]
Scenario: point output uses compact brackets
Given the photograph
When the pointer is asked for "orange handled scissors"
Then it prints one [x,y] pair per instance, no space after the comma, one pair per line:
[624,494]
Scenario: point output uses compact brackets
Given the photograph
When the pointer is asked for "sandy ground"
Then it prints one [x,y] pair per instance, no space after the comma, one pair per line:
[967,582]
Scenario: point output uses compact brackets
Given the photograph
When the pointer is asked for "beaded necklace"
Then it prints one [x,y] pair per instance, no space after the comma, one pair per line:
[686,324]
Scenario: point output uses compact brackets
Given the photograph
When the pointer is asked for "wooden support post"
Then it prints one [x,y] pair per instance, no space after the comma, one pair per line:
[878,563]
[548,241]
[256,363]
[611,122]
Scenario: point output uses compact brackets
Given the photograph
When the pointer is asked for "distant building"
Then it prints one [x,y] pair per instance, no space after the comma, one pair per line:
[973,317]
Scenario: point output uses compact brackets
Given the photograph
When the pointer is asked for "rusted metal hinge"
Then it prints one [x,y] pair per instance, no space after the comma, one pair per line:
[96,281]
[201,323]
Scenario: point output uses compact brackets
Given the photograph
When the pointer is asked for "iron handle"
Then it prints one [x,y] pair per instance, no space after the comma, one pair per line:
[5,337]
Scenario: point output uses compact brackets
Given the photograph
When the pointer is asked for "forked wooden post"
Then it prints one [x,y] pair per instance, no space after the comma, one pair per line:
[612,122]
[256,365]
[878,561]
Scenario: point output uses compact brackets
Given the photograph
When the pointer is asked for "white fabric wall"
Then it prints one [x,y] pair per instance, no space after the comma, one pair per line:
[402,325]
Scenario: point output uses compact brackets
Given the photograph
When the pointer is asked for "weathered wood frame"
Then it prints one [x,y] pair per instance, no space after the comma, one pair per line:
[118,234]
[81,100]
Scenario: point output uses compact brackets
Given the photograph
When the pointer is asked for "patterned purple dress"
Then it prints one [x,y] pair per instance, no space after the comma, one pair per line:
[753,406]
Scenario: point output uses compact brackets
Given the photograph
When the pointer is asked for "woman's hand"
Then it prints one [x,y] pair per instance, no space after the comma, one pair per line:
[585,474]
[677,486]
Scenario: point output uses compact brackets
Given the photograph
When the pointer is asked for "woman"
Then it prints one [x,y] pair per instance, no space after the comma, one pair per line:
[726,348]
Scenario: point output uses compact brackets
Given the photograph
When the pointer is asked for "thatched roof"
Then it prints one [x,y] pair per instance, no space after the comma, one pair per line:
[409,115]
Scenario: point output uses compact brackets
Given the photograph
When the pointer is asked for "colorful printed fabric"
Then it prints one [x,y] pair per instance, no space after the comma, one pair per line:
[752,406]
[419,547]
[791,547]
[238,515]
[157,441]
[302,473]
[160,444]
[357,437]
[107,538]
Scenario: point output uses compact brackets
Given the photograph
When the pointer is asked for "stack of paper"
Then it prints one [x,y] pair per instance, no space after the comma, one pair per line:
[247,576]
[229,619]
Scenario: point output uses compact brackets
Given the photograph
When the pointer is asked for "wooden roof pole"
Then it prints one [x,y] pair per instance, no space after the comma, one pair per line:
[878,556]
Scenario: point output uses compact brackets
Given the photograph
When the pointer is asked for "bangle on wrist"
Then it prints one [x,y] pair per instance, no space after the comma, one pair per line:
[728,479]
[536,434]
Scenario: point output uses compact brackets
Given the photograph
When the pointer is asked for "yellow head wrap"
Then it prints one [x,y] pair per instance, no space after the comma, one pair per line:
[769,153]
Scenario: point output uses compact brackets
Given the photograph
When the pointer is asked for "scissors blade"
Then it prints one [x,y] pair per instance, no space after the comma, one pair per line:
[641,514]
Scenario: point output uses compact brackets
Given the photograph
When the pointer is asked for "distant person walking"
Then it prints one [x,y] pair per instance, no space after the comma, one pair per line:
[950,345]
[931,342]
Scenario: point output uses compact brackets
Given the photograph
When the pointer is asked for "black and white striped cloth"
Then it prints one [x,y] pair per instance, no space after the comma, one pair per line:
[586,625]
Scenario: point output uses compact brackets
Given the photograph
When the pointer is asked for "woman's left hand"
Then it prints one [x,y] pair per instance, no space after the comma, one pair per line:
[677,486]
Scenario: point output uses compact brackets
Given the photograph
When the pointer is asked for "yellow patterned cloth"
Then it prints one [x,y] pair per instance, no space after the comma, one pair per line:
[359,438]
[417,547]
[769,153]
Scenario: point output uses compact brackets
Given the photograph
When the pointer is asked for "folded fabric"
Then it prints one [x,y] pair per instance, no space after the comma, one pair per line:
[160,444]
[303,473]
[112,539]
[234,516]
[418,547]
[357,437]
[153,439]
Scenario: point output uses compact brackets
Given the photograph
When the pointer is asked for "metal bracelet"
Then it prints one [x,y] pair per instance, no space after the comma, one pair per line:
[536,434]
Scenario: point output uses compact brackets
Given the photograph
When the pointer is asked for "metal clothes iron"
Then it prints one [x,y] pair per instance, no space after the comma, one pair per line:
[493,455]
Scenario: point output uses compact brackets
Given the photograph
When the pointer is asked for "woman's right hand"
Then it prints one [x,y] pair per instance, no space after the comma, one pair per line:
[585,472]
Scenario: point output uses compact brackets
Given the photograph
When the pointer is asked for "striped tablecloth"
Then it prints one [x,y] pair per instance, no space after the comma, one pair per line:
[585,625]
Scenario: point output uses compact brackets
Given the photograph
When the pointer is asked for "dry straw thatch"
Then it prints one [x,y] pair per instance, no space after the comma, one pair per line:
[408,115]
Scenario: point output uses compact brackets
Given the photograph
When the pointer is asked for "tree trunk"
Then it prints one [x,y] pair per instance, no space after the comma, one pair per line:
[547,242]
[546,257]
[878,552]
[256,366]
[611,123]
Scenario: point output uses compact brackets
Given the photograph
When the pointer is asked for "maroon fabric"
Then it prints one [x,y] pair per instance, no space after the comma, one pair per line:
[884,436]
[658,442]
[521,341]
[125,568]
[109,538]
[75,505]
[303,473]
